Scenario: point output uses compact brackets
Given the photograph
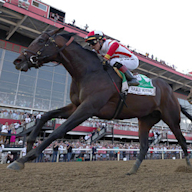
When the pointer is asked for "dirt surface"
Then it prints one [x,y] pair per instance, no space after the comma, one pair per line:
[101,176]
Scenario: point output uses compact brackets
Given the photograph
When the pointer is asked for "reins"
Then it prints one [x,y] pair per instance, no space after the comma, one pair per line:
[36,57]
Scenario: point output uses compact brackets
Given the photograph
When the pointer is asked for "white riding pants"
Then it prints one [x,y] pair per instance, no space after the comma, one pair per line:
[131,63]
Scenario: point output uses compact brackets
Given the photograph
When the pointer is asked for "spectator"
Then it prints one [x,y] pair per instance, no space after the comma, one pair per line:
[55,151]
[104,153]
[27,119]
[10,157]
[81,140]
[69,151]
[32,117]
[20,142]
[1,149]
[0,126]
[116,151]
[98,129]
[24,150]
[14,115]
[38,116]
[111,153]
[86,137]
[94,152]
[61,149]
[157,133]
[40,157]
[10,127]
[4,129]
[16,125]
[13,137]
[23,123]
[5,114]
[151,152]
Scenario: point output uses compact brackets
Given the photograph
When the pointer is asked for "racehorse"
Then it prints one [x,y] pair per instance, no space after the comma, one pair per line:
[189,97]
[92,93]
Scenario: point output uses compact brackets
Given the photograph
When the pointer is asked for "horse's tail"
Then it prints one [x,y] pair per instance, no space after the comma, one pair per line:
[184,111]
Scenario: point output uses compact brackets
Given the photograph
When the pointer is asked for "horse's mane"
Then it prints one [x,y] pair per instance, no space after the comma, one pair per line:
[69,35]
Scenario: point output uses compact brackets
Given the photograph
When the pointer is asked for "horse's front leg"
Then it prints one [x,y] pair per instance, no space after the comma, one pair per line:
[82,113]
[63,112]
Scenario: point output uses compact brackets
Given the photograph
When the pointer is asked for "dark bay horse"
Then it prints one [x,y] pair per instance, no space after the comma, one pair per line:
[93,94]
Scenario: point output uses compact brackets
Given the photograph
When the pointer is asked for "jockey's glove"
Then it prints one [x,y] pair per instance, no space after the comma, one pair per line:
[105,64]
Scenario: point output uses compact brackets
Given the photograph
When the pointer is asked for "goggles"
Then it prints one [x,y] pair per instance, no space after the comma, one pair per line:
[92,42]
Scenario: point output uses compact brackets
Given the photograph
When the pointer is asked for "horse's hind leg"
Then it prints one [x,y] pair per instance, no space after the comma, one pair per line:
[63,112]
[145,124]
[173,121]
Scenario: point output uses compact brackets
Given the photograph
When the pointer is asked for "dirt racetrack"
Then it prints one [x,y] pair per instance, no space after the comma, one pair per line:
[100,176]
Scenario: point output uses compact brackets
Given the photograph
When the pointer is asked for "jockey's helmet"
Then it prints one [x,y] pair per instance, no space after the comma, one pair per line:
[94,36]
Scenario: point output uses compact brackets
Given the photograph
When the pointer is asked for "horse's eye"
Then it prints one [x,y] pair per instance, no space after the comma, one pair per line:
[41,41]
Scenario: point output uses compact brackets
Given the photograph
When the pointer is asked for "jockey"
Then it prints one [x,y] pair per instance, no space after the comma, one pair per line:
[115,53]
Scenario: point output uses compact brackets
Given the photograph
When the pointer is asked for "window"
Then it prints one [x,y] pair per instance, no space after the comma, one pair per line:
[9,77]
[60,69]
[26,90]
[6,98]
[58,87]
[56,104]
[11,56]
[39,5]
[24,101]
[27,80]
[58,96]
[45,75]
[9,67]
[42,93]
[41,104]
[44,84]
[8,87]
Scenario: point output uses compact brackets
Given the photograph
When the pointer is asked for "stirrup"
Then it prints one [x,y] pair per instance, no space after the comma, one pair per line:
[133,82]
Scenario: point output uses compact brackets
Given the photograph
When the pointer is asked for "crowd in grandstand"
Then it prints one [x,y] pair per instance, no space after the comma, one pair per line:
[6,128]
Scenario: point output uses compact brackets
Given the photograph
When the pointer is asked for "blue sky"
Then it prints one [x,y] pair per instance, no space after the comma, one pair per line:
[162,28]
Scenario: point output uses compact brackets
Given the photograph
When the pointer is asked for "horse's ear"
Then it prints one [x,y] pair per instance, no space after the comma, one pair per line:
[56,31]
[60,30]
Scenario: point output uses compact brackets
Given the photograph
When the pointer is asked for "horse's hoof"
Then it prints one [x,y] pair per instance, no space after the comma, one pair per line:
[128,173]
[133,170]
[16,166]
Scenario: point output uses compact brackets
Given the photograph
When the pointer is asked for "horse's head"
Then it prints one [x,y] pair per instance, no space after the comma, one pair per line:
[189,97]
[42,50]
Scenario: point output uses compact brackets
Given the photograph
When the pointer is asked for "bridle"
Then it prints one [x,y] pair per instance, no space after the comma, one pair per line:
[36,56]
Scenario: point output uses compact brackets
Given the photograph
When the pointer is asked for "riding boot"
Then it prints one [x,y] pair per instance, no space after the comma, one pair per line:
[129,76]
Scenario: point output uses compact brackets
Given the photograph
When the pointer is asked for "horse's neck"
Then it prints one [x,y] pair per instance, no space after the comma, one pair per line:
[79,62]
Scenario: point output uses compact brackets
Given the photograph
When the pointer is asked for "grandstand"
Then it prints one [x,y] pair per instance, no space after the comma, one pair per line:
[47,88]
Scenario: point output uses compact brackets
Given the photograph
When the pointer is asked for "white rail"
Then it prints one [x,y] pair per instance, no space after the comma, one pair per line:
[163,152]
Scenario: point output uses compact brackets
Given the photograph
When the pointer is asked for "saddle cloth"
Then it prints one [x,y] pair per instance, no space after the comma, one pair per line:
[145,86]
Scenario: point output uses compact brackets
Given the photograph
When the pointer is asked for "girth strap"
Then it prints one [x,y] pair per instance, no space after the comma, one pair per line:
[120,105]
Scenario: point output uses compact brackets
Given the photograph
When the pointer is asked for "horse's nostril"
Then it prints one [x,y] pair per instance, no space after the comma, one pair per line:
[17,61]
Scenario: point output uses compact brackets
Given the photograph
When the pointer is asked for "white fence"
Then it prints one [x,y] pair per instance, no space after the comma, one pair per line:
[89,151]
